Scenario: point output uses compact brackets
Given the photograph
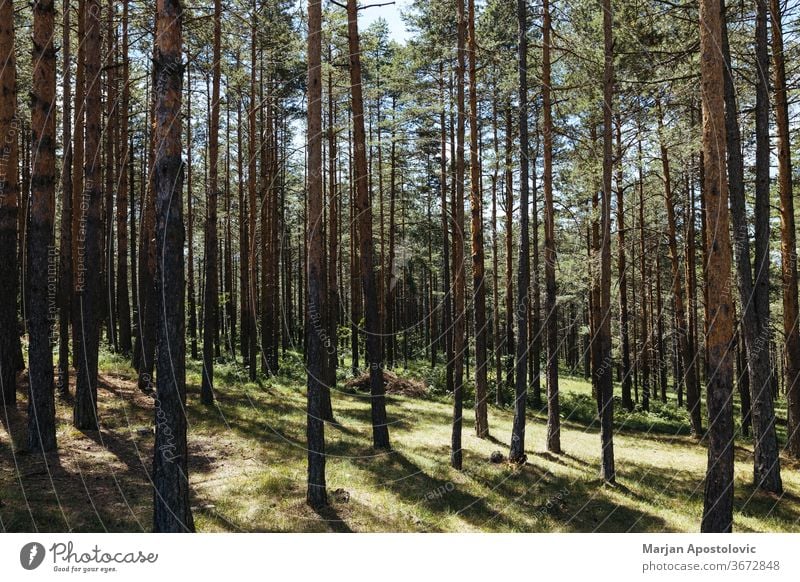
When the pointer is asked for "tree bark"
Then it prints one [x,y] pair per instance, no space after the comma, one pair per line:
[41,401]
[380,428]
[754,292]
[550,305]
[172,512]
[89,240]
[316,493]
[718,498]
[210,294]
[791,332]
[517,453]
[9,208]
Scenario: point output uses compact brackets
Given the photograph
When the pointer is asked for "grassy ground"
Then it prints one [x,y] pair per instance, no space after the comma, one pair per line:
[248,467]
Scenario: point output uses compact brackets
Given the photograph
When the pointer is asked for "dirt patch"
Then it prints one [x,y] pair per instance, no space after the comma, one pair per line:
[393,383]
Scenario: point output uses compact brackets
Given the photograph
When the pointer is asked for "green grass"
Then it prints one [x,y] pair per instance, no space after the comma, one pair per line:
[248,463]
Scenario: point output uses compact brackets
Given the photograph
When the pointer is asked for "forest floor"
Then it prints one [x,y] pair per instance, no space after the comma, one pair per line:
[248,465]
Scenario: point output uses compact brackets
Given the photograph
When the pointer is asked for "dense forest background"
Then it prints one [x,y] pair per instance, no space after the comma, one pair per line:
[382,264]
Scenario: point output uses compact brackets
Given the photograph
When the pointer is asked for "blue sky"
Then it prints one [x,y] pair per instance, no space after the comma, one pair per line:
[391,14]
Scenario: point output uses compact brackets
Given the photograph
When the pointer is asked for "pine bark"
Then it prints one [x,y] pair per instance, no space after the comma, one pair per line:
[210,294]
[172,511]
[718,498]
[550,305]
[41,400]
[9,209]
[380,428]
[791,371]
[316,494]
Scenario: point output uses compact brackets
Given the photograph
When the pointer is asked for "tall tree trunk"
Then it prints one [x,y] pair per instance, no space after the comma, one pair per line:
[509,232]
[9,208]
[550,305]
[604,366]
[172,512]
[89,239]
[252,180]
[123,301]
[65,254]
[460,346]
[447,303]
[210,294]
[478,269]
[41,401]
[647,331]
[718,498]
[517,453]
[791,332]
[109,167]
[622,266]
[380,428]
[316,494]
[754,294]
[687,357]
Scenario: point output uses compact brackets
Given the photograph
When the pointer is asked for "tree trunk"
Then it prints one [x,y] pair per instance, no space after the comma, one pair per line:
[603,367]
[210,294]
[9,208]
[478,268]
[172,512]
[622,265]
[754,294]
[687,357]
[316,494]
[517,453]
[89,239]
[65,253]
[123,301]
[460,346]
[718,498]
[791,351]
[380,428]
[41,401]
[550,305]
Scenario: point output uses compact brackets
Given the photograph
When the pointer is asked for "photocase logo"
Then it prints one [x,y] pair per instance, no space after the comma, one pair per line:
[31,555]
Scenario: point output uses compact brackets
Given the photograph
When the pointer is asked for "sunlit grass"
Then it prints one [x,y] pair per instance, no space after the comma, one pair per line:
[248,465]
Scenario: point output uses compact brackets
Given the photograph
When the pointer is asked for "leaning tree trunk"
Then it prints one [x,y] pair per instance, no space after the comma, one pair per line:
[41,401]
[718,498]
[9,208]
[172,512]
[380,428]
